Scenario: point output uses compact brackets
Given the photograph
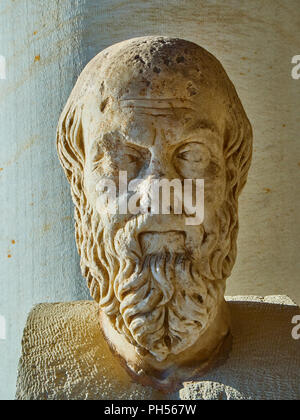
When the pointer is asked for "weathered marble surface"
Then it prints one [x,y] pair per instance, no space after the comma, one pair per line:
[46,44]
[145,111]
[64,356]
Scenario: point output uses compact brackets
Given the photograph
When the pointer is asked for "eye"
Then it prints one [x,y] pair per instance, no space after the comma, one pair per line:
[133,157]
[189,156]
[193,153]
[191,159]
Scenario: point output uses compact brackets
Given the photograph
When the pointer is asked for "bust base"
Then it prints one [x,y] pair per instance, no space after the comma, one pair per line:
[65,357]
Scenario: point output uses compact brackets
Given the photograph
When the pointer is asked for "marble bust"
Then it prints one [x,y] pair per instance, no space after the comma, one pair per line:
[157,108]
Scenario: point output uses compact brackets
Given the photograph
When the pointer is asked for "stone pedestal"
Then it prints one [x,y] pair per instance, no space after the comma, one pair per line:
[64,356]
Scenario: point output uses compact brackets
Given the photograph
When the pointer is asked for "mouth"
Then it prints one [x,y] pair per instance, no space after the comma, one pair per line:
[155,242]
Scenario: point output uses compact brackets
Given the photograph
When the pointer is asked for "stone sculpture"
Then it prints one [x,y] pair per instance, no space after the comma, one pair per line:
[157,108]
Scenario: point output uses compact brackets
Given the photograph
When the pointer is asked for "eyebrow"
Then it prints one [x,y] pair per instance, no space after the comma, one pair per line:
[191,138]
[203,125]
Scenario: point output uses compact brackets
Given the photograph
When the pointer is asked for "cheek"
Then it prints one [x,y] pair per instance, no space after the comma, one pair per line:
[215,186]
[102,193]
[93,175]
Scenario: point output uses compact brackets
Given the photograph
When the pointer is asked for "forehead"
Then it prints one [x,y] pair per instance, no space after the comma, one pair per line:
[145,121]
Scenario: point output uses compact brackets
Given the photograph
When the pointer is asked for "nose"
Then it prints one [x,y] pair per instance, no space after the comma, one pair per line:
[160,167]
[161,163]
[157,168]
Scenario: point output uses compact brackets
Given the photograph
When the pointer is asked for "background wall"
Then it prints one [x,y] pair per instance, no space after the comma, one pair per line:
[46,44]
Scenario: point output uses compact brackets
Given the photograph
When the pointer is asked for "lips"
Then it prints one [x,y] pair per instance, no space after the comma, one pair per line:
[154,242]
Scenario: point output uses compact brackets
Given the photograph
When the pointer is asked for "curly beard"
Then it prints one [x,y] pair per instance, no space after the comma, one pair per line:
[161,302]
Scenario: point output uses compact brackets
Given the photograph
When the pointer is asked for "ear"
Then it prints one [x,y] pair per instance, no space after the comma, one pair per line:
[70,148]
[70,145]
[238,152]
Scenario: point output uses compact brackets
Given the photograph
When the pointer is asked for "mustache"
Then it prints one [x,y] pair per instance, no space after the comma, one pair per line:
[131,239]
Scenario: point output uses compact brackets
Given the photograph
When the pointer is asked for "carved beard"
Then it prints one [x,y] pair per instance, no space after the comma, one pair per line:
[162,302]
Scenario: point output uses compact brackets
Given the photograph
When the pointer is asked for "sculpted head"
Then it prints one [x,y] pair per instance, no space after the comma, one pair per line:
[158,108]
